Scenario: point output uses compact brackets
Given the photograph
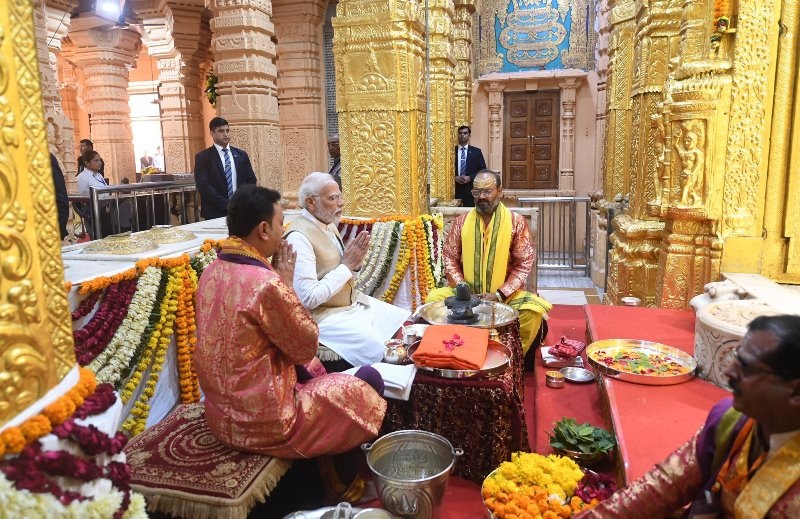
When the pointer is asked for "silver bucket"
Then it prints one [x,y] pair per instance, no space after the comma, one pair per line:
[410,469]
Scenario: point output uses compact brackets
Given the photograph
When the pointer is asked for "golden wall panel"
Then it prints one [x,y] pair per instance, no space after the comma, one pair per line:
[378,50]
[442,83]
[36,348]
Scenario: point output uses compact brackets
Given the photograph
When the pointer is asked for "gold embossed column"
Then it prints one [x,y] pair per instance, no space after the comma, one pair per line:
[35,335]
[104,56]
[378,47]
[442,67]
[298,27]
[462,51]
[616,166]
[244,62]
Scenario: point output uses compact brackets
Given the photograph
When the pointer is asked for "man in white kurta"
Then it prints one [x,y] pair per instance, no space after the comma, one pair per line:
[352,324]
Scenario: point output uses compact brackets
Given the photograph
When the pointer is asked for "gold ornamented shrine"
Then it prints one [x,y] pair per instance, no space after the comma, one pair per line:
[36,349]
[702,147]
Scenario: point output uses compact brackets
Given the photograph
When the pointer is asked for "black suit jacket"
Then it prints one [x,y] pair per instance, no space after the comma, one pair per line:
[209,176]
[475,163]
[62,201]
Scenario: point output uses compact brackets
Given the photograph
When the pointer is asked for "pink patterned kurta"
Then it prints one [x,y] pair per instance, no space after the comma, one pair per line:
[251,332]
[520,260]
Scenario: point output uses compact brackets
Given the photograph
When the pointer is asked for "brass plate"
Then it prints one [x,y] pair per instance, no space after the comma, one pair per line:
[120,244]
[436,313]
[614,346]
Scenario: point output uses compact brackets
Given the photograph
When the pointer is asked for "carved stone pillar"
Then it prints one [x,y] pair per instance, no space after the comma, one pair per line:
[442,66]
[462,51]
[566,179]
[68,87]
[178,48]
[380,97]
[52,23]
[495,90]
[105,56]
[35,335]
[244,61]
[298,27]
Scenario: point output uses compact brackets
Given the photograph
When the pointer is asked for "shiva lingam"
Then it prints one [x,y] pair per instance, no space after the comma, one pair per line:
[461,306]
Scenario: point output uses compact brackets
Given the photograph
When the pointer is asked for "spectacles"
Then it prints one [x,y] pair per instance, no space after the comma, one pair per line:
[749,370]
[482,192]
[333,198]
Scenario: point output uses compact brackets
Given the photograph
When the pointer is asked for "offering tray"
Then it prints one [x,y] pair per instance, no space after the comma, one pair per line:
[436,313]
[681,366]
[497,361]
[168,234]
[120,244]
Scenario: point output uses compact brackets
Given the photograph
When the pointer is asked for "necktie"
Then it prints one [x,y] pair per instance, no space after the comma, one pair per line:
[228,173]
[462,169]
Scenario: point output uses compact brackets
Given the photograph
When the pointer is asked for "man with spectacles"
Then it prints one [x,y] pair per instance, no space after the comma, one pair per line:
[219,170]
[490,249]
[745,461]
[352,325]
[468,162]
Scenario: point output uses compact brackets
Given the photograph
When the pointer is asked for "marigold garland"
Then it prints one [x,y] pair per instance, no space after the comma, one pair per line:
[14,439]
[185,338]
[403,258]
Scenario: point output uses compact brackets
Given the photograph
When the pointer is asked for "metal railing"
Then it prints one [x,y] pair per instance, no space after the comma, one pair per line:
[564,231]
[138,207]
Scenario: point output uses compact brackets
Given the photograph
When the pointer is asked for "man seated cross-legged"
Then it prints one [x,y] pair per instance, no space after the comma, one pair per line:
[490,249]
[351,324]
[256,344]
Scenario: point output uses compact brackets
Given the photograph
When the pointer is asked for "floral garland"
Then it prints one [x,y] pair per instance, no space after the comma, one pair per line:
[103,282]
[434,224]
[185,338]
[366,278]
[403,259]
[389,257]
[204,257]
[14,439]
[155,352]
[109,364]
[86,306]
[93,338]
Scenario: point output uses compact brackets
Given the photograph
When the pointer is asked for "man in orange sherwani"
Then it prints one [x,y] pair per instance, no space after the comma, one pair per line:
[253,338]
[745,461]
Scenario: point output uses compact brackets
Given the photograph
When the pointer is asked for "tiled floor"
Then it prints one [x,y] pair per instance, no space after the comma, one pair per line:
[568,288]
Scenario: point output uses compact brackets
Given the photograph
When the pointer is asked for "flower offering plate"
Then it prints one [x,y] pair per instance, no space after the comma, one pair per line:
[642,362]
[497,361]
[436,313]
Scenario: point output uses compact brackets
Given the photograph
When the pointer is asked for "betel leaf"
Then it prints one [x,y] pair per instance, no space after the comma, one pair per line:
[569,435]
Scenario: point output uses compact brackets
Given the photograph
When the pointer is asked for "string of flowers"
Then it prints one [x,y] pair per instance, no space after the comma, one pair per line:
[403,258]
[366,279]
[204,257]
[413,261]
[154,355]
[389,257]
[103,282]
[14,439]
[434,225]
[87,305]
[424,264]
[108,365]
[185,338]
[93,338]
[721,20]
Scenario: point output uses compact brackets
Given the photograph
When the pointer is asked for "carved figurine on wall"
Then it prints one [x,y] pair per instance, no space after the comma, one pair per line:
[689,144]
[657,120]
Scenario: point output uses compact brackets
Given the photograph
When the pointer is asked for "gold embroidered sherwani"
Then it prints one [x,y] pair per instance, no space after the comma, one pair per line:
[251,332]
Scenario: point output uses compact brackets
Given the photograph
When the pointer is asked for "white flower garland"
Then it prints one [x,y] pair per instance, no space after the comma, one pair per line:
[368,277]
[204,259]
[23,503]
[109,364]
[389,258]
[437,261]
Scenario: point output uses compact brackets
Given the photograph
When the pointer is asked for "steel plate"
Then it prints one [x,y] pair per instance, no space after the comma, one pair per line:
[613,346]
[497,361]
[436,313]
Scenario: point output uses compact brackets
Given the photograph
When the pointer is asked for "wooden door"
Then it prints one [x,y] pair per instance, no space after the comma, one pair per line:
[531,140]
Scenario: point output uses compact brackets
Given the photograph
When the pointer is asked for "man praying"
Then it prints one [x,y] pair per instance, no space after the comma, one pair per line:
[490,249]
[256,345]
[351,324]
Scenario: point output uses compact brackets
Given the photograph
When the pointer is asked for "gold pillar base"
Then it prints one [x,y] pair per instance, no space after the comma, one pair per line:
[633,265]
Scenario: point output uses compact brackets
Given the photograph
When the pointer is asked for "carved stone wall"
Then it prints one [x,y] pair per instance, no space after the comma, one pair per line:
[35,335]
[104,57]
[244,61]
[380,98]
[298,27]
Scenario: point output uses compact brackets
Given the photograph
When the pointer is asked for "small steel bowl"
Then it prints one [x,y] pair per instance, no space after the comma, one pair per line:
[578,375]
[554,379]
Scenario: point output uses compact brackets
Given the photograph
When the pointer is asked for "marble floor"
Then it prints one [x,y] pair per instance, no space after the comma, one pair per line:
[568,288]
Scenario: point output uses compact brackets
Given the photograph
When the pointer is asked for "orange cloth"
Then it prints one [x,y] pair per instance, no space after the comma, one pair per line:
[432,352]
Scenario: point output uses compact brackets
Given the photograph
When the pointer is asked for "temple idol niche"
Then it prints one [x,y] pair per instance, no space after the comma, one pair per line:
[689,144]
